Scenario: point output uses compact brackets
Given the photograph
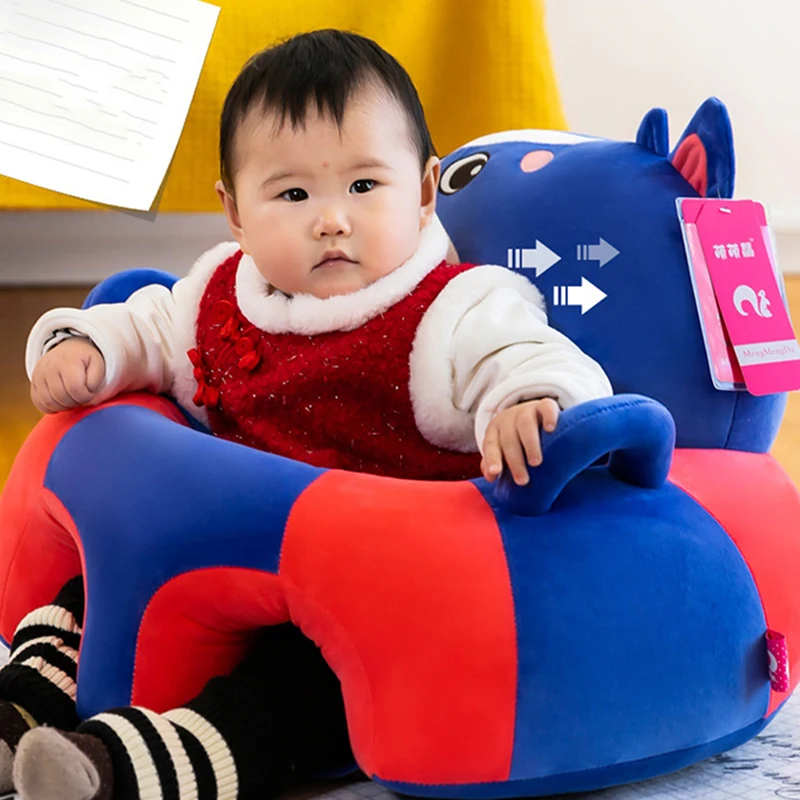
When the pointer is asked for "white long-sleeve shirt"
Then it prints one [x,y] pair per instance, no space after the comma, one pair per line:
[483,345]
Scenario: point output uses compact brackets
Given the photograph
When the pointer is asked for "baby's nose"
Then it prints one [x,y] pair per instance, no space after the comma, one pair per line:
[332,222]
[535,159]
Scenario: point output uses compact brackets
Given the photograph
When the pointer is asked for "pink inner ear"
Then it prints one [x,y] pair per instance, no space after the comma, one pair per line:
[690,160]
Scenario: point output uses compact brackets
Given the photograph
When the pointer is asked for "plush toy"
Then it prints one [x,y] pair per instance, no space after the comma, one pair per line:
[604,624]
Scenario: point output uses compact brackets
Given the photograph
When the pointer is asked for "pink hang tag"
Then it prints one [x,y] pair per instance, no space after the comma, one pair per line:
[778,661]
[736,252]
[726,375]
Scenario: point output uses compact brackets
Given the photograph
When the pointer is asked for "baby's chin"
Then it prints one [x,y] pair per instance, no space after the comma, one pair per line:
[333,285]
[337,289]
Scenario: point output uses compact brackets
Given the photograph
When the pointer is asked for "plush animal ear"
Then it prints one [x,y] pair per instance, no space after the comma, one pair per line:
[704,153]
[653,133]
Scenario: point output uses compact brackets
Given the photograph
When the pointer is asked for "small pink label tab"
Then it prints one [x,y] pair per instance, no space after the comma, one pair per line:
[757,323]
[778,661]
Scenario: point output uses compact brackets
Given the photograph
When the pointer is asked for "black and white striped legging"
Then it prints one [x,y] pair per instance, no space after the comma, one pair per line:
[278,717]
[43,662]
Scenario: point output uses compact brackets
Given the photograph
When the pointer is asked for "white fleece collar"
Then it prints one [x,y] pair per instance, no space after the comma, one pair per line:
[309,315]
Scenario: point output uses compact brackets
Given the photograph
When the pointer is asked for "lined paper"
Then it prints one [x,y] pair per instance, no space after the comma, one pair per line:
[94,93]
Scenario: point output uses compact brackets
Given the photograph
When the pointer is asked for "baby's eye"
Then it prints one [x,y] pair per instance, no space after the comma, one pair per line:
[363,186]
[295,195]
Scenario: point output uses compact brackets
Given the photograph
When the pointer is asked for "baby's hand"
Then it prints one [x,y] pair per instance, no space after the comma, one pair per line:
[67,376]
[511,431]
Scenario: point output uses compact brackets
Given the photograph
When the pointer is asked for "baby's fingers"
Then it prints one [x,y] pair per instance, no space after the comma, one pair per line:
[548,411]
[58,394]
[513,454]
[528,432]
[37,399]
[95,372]
[492,463]
[43,398]
[76,389]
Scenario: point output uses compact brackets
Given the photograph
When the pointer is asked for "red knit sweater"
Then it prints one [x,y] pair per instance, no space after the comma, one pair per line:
[338,399]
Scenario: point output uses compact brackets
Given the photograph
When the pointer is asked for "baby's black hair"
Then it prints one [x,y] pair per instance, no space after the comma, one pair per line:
[324,67]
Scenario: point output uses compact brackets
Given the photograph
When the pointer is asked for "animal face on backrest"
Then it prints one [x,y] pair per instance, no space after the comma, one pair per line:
[593,223]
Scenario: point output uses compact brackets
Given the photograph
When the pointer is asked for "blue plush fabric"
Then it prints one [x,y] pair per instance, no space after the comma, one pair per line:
[209,503]
[754,422]
[640,631]
[653,133]
[119,287]
[638,433]
[634,610]
[646,332]
[589,780]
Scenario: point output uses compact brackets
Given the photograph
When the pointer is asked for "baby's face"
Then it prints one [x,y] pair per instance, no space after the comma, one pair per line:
[324,211]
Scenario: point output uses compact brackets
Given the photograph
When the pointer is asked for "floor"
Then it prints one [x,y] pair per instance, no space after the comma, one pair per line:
[19,308]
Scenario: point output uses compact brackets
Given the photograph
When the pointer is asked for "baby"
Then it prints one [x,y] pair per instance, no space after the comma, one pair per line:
[333,331]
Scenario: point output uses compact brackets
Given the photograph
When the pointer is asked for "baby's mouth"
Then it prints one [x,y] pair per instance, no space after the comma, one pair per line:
[335,258]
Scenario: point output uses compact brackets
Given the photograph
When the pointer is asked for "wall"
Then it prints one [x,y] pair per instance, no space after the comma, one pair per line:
[83,247]
[615,59]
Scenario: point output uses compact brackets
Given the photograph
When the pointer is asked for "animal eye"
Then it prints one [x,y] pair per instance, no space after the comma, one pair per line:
[462,172]
[295,195]
[363,186]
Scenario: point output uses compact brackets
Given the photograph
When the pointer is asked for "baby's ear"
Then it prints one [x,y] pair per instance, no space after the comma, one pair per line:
[430,185]
[704,154]
[231,214]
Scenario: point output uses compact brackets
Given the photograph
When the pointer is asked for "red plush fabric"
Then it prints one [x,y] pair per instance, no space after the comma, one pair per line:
[337,400]
[197,626]
[399,610]
[39,547]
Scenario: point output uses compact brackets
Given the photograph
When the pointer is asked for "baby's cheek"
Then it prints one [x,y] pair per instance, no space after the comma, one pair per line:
[274,237]
[270,258]
[400,237]
[396,248]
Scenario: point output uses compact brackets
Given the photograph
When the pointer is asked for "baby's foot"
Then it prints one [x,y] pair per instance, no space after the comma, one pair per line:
[14,723]
[51,765]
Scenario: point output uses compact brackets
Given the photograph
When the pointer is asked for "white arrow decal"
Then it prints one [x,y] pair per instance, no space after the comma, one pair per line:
[587,296]
[602,252]
[540,258]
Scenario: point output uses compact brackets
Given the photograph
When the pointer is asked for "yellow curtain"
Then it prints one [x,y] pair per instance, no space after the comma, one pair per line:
[479,65]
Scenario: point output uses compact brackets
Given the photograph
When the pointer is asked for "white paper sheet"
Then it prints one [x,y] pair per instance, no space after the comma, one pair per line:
[94,93]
